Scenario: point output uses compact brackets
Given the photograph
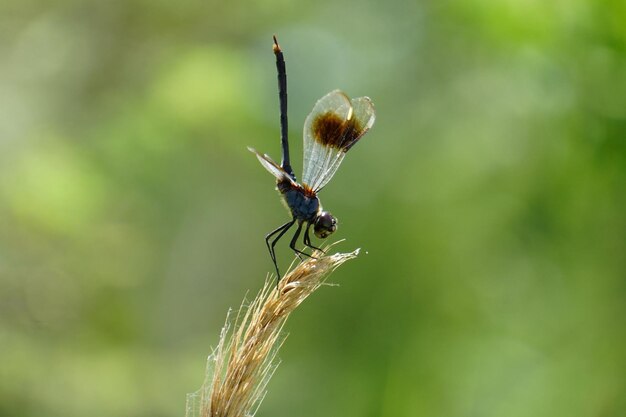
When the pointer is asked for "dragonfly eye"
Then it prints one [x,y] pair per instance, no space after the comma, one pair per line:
[325,225]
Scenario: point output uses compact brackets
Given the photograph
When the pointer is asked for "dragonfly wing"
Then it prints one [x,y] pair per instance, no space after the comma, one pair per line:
[331,129]
[271,166]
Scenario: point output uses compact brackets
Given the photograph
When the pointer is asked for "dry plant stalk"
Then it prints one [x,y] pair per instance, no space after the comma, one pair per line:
[243,362]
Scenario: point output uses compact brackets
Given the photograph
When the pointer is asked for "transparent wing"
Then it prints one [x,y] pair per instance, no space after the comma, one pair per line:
[317,155]
[271,166]
[331,129]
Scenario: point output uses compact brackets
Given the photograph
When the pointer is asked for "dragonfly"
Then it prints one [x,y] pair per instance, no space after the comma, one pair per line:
[333,127]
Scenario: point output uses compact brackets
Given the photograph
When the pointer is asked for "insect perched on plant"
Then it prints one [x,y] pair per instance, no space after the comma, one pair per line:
[333,127]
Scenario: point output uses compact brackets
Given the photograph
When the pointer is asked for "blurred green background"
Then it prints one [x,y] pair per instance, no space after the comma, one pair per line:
[490,198]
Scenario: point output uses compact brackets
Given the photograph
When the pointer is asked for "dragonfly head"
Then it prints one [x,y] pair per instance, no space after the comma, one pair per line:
[325,225]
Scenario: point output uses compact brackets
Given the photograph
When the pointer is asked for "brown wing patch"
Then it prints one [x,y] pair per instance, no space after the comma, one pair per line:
[331,130]
[308,191]
[288,185]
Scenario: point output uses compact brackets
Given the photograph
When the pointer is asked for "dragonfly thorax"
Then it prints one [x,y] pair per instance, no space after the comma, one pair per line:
[303,203]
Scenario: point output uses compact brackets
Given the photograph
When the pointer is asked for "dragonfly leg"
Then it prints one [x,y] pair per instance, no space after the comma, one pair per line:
[270,247]
[292,245]
[307,239]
